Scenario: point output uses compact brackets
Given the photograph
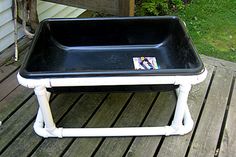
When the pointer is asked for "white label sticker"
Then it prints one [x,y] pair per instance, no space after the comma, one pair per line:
[145,63]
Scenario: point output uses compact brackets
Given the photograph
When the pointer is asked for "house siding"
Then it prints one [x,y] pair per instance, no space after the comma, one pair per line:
[7,25]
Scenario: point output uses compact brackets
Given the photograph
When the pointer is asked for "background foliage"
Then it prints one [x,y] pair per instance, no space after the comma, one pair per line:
[211,23]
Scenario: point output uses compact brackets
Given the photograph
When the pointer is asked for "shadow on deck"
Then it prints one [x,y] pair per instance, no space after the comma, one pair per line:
[212,105]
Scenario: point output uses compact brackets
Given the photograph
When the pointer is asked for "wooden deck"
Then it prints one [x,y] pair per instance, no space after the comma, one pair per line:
[212,105]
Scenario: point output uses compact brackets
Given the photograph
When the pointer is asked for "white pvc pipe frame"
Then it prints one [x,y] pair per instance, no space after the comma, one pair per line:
[44,125]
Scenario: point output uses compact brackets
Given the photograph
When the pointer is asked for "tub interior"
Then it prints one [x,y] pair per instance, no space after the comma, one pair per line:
[108,47]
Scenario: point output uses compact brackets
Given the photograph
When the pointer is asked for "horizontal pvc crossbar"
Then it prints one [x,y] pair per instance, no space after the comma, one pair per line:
[115,80]
[113,132]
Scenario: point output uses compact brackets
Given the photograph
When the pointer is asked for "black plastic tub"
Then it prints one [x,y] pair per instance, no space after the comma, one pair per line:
[101,47]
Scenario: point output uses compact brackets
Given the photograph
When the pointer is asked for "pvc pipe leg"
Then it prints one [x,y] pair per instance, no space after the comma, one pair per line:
[48,95]
[177,91]
[45,110]
[181,105]
[188,121]
[182,122]
[39,119]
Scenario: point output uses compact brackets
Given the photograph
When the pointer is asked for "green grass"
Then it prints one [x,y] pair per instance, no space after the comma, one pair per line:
[212,27]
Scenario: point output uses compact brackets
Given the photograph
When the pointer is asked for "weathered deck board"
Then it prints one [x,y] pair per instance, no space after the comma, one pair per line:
[211,103]
[16,123]
[9,52]
[10,65]
[8,86]
[78,117]
[228,144]
[10,103]
[133,115]
[208,129]
[160,115]
[219,63]
[26,139]
[104,117]
[177,146]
